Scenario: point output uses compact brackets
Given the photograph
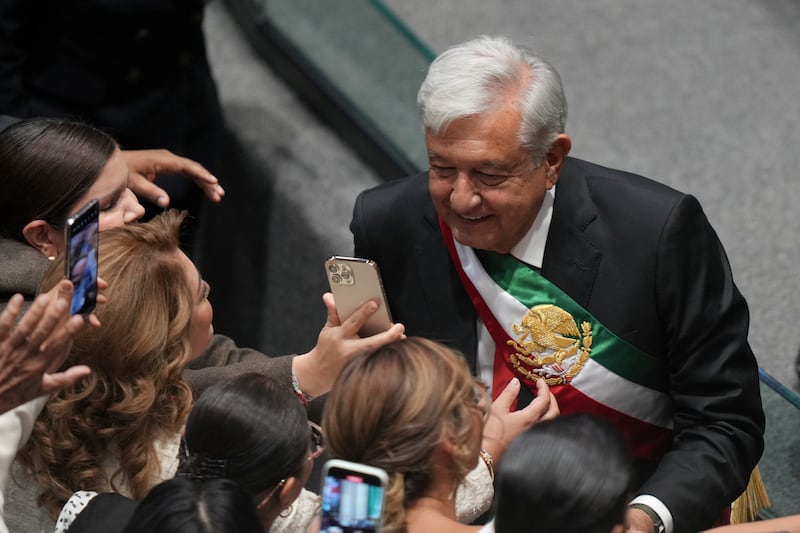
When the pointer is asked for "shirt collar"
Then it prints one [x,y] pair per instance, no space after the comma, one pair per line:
[530,249]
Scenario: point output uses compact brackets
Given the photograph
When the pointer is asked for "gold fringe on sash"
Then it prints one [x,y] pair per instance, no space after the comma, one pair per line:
[753,500]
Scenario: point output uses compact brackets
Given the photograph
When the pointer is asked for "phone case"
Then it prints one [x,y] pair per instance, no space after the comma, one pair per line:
[353,282]
[81,235]
[353,497]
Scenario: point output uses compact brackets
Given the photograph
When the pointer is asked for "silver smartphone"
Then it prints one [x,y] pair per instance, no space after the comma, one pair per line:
[81,236]
[355,281]
[352,497]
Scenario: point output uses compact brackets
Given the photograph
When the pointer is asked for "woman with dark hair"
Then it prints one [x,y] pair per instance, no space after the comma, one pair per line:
[251,430]
[254,431]
[571,474]
[184,505]
[50,169]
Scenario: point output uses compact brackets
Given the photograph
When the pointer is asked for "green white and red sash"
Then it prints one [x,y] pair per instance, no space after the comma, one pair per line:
[612,378]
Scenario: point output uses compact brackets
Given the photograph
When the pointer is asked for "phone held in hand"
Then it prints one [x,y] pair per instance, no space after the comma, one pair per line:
[81,265]
[352,497]
[355,281]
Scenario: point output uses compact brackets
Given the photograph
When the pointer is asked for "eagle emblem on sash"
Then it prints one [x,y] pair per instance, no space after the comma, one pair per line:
[549,345]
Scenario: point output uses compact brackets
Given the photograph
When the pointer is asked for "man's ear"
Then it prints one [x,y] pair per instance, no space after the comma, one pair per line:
[43,237]
[556,156]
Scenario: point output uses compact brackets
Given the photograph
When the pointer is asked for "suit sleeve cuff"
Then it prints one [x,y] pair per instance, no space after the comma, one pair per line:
[660,509]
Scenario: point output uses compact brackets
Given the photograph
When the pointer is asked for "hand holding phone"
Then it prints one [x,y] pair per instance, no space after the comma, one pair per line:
[81,236]
[352,497]
[353,282]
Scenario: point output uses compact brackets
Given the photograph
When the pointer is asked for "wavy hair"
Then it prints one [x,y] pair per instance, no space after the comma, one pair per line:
[136,394]
[251,429]
[392,408]
[473,77]
[46,166]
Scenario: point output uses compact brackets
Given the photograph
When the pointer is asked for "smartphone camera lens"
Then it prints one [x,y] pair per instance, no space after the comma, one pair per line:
[336,279]
[345,275]
[333,268]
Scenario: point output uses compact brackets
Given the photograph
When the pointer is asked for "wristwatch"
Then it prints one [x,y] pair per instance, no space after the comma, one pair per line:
[658,525]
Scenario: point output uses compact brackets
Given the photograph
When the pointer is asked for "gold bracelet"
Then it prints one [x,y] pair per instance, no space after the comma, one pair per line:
[487,458]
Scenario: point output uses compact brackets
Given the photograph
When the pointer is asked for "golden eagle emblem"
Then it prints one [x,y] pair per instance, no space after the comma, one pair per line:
[549,345]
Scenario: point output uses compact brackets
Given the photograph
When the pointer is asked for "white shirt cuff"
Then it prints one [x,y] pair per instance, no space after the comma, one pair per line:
[660,509]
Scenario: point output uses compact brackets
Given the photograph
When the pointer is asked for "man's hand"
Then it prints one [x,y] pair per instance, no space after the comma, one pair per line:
[503,425]
[637,521]
[338,343]
[38,344]
[145,165]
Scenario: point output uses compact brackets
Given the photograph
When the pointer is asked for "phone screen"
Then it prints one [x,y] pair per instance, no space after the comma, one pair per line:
[351,501]
[82,237]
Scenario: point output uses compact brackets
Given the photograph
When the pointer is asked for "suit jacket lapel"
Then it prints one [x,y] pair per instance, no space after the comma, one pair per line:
[571,261]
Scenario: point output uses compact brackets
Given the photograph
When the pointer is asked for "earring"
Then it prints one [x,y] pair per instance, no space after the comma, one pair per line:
[51,257]
[286,512]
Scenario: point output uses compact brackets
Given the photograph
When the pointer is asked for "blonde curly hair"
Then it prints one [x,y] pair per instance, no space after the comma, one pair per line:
[393,407]
[136,394]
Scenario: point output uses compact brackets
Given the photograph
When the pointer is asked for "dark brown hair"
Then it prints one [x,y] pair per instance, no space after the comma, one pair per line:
[46,166]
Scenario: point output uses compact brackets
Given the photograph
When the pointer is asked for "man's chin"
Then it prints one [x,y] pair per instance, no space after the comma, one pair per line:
[472,241]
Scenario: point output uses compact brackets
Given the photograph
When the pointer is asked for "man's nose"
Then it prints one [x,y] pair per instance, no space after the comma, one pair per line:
[464,195]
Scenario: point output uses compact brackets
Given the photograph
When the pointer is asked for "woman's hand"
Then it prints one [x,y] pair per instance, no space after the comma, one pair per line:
[145,165]
[37,345]
[503,425]
[338,342]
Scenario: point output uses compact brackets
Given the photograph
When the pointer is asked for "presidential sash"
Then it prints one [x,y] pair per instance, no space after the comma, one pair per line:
[540,332]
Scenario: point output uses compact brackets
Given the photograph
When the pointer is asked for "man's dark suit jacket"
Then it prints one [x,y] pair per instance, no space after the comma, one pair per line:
[641,258]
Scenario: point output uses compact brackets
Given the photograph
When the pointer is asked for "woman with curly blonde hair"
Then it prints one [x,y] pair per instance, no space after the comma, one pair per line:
[118,429]
[413,409]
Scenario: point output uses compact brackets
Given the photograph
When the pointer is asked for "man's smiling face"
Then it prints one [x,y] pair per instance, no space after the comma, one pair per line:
[484,185]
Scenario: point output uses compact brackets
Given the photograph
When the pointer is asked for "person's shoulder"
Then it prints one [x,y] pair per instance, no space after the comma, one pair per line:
[601,178]
[106,512]
[405,189]
[609,188]
[21,268]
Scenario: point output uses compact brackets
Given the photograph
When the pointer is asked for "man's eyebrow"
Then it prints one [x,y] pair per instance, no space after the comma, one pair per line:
[499,165]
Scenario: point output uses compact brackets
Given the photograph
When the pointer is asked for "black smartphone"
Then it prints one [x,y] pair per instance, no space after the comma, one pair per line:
[353,282]
[352,497]
[81,266]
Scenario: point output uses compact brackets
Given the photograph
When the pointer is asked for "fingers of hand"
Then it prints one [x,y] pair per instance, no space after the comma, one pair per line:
[57,345]
[9,315]
[55,382]
[359,317]
[23,332]
[330,306]
[509,394]
[393,334]
[57,313]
